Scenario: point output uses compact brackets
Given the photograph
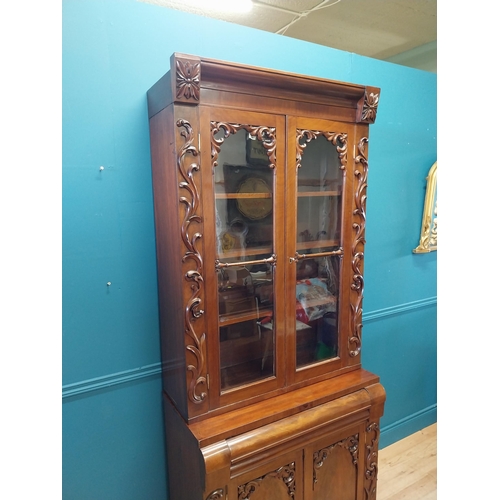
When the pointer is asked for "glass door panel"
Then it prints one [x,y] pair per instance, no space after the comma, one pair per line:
[318,246]
[244,201]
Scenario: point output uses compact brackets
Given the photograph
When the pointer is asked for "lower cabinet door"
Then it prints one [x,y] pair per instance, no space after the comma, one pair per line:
[334,467]
[276,480]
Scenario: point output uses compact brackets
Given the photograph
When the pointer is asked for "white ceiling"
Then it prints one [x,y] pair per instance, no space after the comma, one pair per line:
[400,31]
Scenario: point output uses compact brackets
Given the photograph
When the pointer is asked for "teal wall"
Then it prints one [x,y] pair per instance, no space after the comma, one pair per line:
[113,51]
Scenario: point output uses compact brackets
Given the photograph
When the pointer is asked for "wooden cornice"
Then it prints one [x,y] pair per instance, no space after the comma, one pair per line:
[192,80]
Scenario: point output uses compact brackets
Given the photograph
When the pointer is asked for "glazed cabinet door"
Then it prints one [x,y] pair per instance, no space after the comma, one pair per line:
[243,186]
[318,187]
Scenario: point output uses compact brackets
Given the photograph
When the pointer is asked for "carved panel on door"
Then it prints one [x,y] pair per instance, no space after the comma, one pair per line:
[335,470]
[278,485]
[217,495]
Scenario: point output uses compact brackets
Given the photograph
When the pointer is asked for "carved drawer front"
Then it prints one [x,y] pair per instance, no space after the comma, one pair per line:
[278,480]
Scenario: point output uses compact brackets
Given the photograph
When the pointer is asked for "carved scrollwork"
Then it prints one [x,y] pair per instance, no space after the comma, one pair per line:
[193,310]
[370,106]
[216,495]
[285,474]
[361,174]
[339,140]
[187,80]
[371,461]
[351,444]
[265,134]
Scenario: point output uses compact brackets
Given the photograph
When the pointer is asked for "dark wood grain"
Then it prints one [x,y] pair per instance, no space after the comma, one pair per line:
[247,418]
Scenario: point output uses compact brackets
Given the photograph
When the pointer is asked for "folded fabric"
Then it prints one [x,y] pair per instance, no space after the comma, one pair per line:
[314,300]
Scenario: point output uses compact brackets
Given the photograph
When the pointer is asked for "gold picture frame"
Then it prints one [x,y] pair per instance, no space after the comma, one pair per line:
[428,233]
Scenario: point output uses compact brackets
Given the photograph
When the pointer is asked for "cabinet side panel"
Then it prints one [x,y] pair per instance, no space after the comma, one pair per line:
[372,438]
[185,464]
[168,249]
[159,95]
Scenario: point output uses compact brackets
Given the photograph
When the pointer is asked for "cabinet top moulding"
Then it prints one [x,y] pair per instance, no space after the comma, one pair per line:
[194,80]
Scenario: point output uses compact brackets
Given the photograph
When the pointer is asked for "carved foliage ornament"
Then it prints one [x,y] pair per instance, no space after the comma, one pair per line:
[194,276]
[370,106]
[187,80]
[371,461]
[267,135]
[361,174]
[216,495]
[304,137]
[285,474]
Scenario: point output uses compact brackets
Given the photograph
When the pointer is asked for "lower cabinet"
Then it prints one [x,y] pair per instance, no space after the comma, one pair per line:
[333,468]
[320,472]
[324,452]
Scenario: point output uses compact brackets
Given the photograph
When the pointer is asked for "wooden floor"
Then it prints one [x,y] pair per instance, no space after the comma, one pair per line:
[408,468]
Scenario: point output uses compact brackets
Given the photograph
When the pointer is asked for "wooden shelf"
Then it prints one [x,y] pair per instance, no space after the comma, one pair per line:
[316,182]
[240,196]
[304,194]
[307,245]
[300,194]
[232,319]
[267,250]
[245,373]
[243,252]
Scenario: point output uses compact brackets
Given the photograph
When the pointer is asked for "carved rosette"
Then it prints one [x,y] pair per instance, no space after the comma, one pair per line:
[187,80]
[194,276]
[216,495]
[265,134]
[351,444]
[370,106]
[371,461]
[361,174]
[339,140]
[285,474]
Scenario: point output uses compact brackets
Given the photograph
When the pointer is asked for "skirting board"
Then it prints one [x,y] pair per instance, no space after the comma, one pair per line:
[408,425]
